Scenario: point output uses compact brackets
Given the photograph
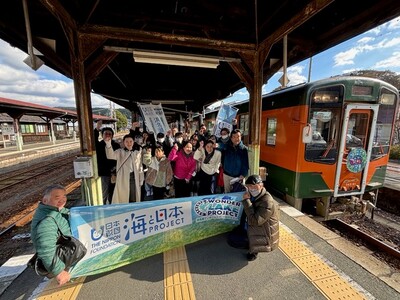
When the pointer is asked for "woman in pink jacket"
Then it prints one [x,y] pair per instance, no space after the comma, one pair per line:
[185,166]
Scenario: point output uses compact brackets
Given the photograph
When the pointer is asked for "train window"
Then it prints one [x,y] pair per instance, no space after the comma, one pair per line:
[244,124]
[325,127]
[322,96]
[387,99]
[357,130]
[384,123]
[271,131]
[332,94]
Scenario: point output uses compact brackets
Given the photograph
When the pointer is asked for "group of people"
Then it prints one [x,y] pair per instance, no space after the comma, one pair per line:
[146,167]
[181,165]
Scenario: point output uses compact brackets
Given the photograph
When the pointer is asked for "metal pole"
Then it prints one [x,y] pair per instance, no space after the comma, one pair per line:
[309,70]
[285,82]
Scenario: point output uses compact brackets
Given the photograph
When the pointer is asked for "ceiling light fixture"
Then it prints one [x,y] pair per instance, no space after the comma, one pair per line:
[168,102]
[168,58]
[171,58]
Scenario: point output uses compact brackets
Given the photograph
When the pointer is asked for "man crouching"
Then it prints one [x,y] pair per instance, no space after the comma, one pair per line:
[51,217]
[262,218]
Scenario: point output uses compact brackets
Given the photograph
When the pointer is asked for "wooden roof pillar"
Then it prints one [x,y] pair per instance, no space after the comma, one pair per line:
[251,73]
[78,55]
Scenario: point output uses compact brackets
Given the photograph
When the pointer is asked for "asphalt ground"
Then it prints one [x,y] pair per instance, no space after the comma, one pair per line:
[311,263]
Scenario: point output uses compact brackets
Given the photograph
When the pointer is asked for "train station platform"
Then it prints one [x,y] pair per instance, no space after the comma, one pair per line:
[312,262]
[10,155]
[13,151]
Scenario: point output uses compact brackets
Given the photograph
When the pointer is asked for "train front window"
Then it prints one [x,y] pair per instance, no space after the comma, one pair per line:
[357,129]
[325,128]
[324,119]
[384,123]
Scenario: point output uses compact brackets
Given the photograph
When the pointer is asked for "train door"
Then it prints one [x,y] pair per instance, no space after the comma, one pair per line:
[355,149]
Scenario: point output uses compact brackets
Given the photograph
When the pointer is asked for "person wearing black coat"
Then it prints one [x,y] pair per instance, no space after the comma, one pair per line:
[164,143]
[105,166]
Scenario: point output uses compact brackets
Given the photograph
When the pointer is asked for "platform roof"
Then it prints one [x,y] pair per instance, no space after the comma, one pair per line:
[232,30]
[17,109]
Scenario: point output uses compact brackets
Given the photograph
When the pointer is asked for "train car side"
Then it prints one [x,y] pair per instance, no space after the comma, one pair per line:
[350,121]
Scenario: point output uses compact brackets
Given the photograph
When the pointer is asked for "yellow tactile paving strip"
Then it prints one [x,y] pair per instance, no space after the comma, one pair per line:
[178,283]
[177,279]
[68,291]
[324,278]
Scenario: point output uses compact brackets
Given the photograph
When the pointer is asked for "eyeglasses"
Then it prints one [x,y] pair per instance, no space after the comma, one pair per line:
[107,133]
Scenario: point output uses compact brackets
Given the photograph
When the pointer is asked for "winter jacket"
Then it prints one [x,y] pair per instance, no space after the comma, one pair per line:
[104,165]
[184,165]
[127,162]
[236,160]
[159,173]
[44,234]
[212,166]
[263,222]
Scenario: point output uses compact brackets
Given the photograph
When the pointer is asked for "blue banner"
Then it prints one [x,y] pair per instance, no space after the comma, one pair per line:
[119,234]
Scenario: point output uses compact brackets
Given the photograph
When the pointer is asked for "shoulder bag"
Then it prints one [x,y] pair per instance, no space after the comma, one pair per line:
[114,175]
[68,248]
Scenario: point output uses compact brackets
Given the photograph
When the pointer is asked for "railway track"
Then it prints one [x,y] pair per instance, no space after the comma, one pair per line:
[347,229]
[393,167]
[16,177]
[28,215]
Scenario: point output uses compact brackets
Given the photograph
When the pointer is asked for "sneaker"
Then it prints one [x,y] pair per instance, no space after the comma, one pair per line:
[251,256]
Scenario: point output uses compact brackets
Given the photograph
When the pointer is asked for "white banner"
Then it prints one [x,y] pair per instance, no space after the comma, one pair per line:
[224,119]
[154,118]
[118,234]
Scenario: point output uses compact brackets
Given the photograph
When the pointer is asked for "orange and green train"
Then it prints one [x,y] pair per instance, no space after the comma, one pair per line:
[326,139]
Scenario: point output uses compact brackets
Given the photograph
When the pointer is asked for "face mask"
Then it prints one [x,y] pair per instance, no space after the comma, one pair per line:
[161,140]
[254,193]
[224,137]
[179,140]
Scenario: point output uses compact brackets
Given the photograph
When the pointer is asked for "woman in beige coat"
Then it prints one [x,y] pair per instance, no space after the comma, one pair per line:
[129,171]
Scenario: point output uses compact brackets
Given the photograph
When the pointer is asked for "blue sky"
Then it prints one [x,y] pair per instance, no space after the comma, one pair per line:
[377,49]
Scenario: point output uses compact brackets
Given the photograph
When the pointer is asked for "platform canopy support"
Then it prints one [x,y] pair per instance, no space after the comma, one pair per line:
[92,186]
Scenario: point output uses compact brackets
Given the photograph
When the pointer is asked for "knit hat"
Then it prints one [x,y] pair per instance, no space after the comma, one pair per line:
[253,179]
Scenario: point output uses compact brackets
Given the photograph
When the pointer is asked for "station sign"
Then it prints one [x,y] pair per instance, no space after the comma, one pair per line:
[7,129]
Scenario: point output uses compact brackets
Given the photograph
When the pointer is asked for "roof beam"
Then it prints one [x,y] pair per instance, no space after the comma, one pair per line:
[134,35]
[288,26]
[98,65]
[58,11]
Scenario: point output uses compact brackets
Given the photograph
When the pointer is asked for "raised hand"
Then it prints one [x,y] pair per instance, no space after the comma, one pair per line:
[98,124]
